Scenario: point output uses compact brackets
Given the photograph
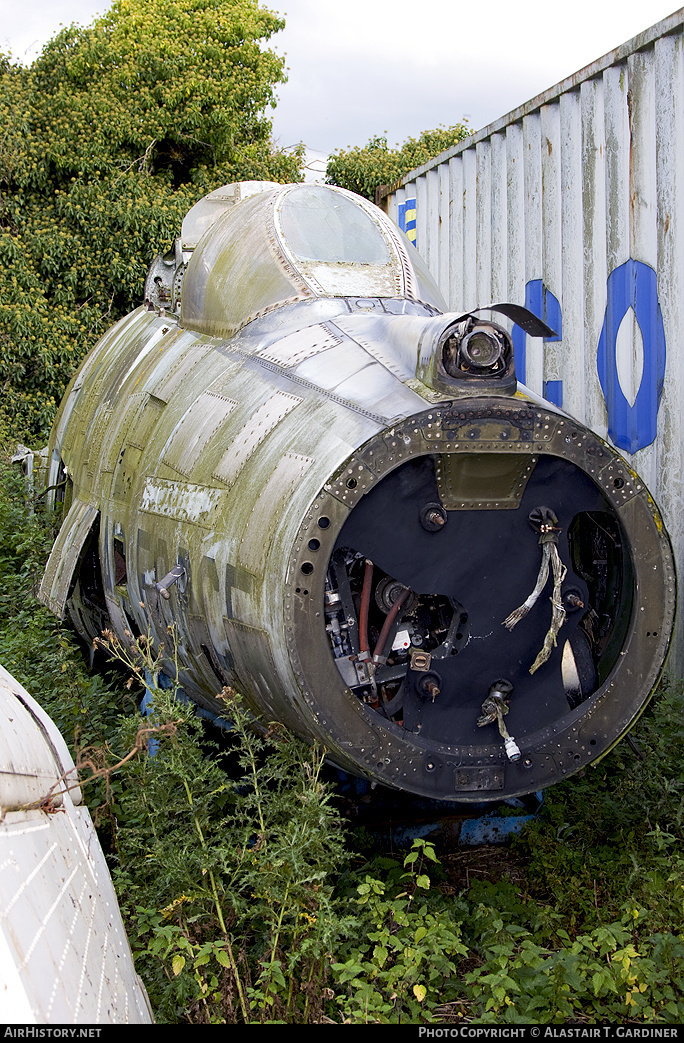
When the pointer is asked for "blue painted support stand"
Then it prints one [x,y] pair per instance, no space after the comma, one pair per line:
[401,818]
[147,704]
[494,829]
[165,683]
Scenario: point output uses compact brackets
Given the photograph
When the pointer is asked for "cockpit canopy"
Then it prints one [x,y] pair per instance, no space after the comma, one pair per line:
[293,243]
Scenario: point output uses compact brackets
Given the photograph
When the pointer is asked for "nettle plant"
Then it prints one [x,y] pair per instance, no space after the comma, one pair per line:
[226,857]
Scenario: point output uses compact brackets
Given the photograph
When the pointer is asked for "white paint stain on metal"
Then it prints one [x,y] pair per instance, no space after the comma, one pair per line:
[179,500]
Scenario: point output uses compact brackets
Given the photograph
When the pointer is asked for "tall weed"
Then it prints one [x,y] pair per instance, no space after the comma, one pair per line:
[226,857]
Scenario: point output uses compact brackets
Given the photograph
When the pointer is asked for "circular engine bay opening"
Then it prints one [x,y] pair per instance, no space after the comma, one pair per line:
[464,623]
[490,605]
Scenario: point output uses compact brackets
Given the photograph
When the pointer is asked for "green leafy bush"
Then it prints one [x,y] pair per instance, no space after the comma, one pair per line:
[227,875]
[363,170]
[403,962]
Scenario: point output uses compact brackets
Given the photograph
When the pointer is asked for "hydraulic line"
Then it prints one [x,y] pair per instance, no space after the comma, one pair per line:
[378,656]
[364,643]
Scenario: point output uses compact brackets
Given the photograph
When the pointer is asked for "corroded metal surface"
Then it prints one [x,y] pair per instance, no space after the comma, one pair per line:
[335,505]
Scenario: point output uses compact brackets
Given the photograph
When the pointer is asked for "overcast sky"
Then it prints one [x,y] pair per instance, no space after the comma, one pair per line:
[358,68]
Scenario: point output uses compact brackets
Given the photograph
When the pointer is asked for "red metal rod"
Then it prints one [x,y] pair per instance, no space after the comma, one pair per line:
[389,620]
[365,604]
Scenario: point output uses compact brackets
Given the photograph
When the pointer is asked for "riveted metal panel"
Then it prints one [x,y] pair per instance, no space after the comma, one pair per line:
[573,204]
[257,537]
[35,764]
[177,367]
[63,948]
[331,368]
[61,567]
[260,424]
[199,424]
[300,345]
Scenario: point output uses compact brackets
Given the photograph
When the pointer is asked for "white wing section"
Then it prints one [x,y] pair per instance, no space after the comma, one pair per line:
[64,955]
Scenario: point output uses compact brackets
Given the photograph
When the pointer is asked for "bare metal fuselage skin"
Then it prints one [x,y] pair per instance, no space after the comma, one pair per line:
[341,517]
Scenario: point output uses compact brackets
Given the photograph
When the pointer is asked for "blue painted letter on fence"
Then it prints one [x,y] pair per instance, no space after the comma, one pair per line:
[407,219]
[545,306]
[633,285]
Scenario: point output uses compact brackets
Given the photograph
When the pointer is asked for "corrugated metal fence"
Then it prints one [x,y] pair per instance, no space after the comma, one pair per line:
[574,205]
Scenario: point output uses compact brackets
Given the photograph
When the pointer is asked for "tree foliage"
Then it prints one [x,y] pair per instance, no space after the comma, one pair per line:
[106,141]
[362,170]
